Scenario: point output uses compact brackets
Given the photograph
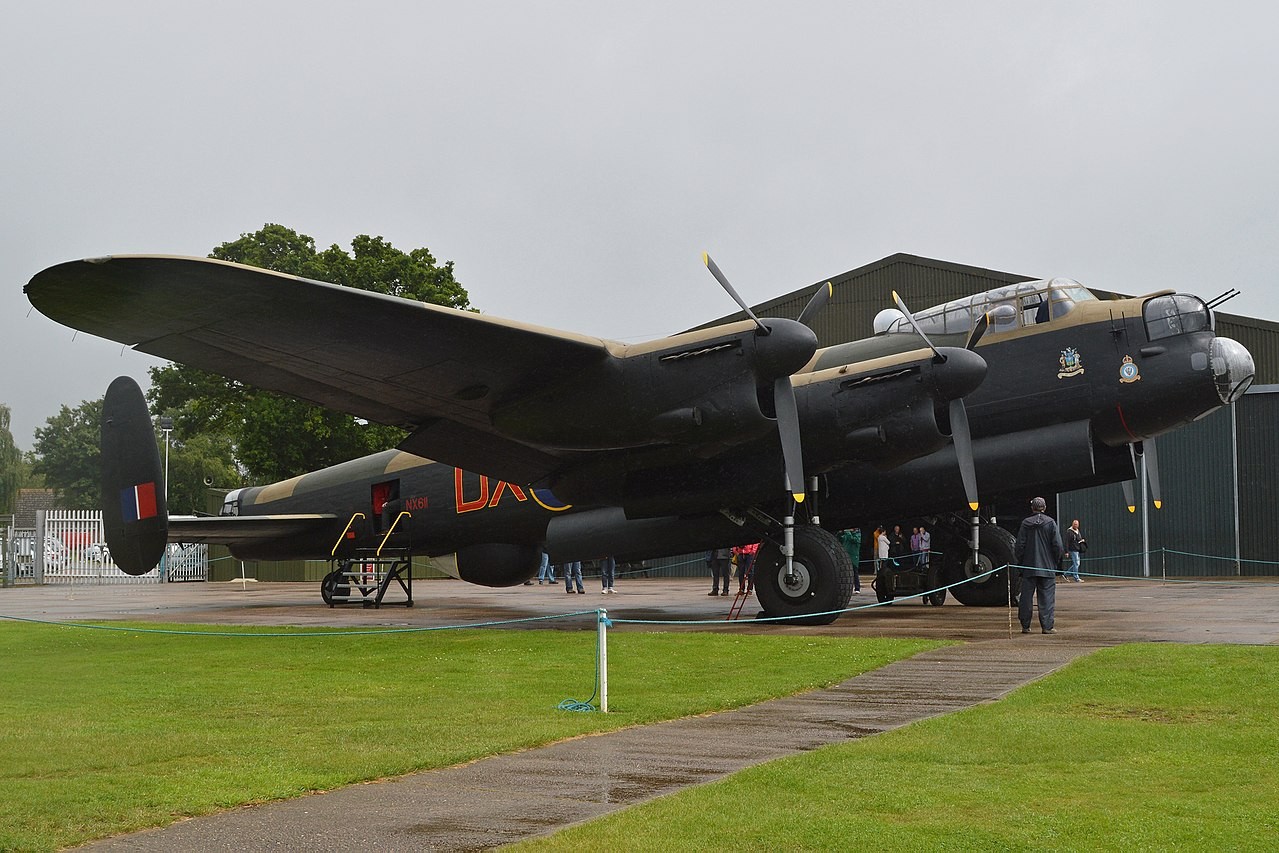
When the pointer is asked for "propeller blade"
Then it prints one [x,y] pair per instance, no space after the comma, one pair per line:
[788,431]
[1152,471]
[723,281]
[1128,499]
[964,450]
[979,329]
[910,318]
[816,304]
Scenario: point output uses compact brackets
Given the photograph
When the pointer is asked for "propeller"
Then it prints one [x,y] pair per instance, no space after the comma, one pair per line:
[1152,471]
[784,405]
[1144,450]
[723,281]
[816,304]
[979,329]
[959,431]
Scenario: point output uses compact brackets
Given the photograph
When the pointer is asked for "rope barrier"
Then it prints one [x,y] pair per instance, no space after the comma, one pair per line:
[299,633]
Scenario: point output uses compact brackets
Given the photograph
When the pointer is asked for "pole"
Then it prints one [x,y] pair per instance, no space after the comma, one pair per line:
[166,426]
[1145,523]
[603,664]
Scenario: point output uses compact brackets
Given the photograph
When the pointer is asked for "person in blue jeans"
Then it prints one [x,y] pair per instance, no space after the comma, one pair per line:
[573,571]
[545,574]
[608,572]
[1075,543]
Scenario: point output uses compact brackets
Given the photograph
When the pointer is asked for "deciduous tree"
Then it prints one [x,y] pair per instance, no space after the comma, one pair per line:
[10,464]
[67,455]
[276,437]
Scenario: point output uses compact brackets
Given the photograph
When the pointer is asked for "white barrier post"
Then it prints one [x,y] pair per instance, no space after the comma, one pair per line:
[603,671]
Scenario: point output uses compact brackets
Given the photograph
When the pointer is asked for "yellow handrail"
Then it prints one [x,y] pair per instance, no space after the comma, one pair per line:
[338,543]
[391,530]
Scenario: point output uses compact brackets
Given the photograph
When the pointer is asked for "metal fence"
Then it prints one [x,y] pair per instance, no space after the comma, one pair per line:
[73,549]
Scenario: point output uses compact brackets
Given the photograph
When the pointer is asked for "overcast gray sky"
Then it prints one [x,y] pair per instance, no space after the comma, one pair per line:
[574,158]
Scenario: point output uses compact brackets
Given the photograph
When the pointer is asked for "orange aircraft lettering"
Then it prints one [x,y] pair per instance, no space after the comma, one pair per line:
[463,505]
[501,487]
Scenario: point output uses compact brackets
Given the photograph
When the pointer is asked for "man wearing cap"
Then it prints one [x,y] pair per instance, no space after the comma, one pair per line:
[1039,554]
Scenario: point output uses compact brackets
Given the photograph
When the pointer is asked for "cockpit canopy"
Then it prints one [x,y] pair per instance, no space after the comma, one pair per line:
[1176,314]
[1011,307]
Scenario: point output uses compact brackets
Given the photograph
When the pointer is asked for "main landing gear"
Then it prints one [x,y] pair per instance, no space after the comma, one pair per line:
[820,579]
[995,550]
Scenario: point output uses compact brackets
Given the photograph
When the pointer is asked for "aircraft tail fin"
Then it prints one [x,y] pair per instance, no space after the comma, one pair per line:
[134,510]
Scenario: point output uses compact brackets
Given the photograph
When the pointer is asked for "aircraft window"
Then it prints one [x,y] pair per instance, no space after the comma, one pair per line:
[958,319]
[231,503]
[1035,301]
[1034,309]
[1179,314]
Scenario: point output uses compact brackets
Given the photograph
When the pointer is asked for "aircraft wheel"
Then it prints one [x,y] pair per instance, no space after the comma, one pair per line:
[932,580]
[822,579]
[996,549]
[333,586]
[883,586]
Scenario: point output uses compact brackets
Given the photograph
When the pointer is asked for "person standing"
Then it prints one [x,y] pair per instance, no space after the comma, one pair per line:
[1038,553]
[573,572]
[852,542]
[925,546]
[720,562]
[608,573]
[1075,543]
[897,544]
[745,555]
[544,574]
[916,552]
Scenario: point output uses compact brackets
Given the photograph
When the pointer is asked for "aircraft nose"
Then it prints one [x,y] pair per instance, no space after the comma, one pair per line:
[1232,368]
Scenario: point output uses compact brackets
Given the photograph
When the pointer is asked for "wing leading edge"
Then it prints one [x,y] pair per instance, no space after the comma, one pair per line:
[437,372]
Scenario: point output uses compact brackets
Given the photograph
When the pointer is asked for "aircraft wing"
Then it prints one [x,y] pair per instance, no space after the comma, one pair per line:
[435,371]
[233,530]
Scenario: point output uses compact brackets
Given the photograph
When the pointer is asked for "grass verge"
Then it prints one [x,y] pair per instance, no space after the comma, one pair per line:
[107,731]
[1142,747]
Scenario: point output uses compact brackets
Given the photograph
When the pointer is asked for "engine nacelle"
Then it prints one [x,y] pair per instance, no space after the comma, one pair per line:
[498,564]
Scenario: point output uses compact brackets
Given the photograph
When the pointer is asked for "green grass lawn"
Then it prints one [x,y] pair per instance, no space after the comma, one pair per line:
[109,731]
[1143,747]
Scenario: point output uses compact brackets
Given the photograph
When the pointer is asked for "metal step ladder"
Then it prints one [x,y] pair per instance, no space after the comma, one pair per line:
[365,577]
[743,593]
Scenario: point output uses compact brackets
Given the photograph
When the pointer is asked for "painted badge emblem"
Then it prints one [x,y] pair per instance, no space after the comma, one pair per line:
[1128,371]
[1071,363]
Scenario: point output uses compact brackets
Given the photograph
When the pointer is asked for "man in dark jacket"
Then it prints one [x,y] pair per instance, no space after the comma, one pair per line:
[1039,554]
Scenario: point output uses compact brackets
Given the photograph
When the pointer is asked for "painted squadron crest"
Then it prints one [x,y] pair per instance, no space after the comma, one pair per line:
[1071,363]
[1128,372]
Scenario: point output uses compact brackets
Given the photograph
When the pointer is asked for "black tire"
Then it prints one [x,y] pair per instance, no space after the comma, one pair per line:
[334,585]
[996,550]
[822,579]
[883,585]
[932,580]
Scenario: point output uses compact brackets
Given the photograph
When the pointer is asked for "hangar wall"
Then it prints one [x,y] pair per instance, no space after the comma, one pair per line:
[1219,495]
